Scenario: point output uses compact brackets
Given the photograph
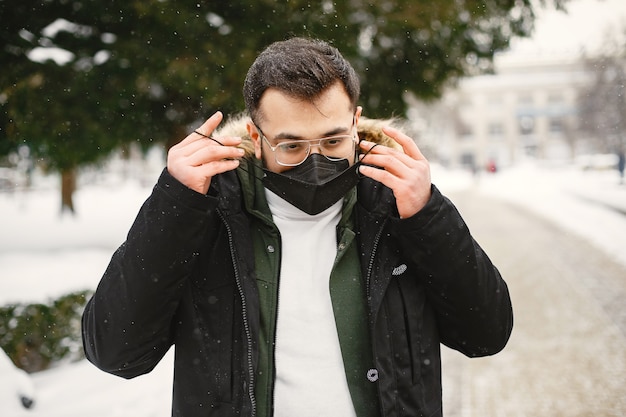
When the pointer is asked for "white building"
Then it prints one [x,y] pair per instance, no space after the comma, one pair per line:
[525,109]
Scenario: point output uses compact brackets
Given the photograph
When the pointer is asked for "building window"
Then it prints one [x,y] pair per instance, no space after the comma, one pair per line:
[555,99]
[496,130]
[526,125]
[556,125]
[464,130]
[525,101]
[468,161]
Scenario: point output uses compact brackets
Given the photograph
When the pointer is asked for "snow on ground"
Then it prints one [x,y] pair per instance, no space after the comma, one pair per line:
[43,255]
[41,249]
[590,204]
[79,390]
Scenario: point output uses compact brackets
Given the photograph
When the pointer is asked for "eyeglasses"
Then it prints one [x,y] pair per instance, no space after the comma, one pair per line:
[294,152]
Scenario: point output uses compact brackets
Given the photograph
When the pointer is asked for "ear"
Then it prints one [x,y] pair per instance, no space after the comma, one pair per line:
[253,133]
[357,116]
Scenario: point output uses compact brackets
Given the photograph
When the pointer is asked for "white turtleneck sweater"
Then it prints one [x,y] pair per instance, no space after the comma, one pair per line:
[310,376]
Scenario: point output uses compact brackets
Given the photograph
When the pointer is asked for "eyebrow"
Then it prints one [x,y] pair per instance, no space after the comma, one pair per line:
[333,132]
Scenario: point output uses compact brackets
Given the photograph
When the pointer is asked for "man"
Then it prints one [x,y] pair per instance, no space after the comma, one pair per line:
[297,271]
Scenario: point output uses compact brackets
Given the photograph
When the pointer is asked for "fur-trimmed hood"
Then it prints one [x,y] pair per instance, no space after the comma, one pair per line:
[367,129]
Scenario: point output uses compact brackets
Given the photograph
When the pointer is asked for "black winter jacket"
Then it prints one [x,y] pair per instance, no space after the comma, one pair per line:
[185,276]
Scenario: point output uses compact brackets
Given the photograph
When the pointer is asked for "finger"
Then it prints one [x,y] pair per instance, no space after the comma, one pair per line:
[211,124]
[407,143]
[205,130]
[390,166]
[198,178]
[384,156]
[380,175]
[189,148]
[209,137]
[397,165]
[218,167]
[227,141]
[213,153]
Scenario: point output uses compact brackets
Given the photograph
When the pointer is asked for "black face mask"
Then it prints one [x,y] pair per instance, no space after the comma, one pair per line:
[314,185]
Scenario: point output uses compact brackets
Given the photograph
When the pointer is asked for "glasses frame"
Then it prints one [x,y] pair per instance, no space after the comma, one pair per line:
[310,142]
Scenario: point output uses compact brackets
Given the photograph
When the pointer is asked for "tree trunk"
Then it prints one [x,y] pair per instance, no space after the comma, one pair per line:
[68,186]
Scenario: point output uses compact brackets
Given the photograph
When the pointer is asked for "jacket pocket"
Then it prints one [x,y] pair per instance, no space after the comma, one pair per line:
[412,298]
[216,306]
[214,312]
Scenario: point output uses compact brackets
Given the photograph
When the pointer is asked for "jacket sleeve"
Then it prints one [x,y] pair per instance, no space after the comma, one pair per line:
[127,324]
[469,297]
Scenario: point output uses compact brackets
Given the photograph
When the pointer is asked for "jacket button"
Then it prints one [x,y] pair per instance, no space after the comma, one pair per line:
[372,375]
[270,248]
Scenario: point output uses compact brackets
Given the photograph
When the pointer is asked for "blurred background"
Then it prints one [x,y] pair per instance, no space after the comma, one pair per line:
[519,105]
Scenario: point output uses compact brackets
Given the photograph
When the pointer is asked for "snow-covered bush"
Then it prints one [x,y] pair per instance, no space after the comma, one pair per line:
[36,336]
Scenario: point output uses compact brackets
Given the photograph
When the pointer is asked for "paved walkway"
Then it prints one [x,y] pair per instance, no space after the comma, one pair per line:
[567,354]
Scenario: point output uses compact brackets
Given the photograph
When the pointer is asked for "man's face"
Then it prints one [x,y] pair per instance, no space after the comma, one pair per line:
[288,119]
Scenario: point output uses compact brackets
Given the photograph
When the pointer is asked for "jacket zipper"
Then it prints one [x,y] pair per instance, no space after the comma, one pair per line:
[244,309]
[368,293]
[372,256]
[273,381]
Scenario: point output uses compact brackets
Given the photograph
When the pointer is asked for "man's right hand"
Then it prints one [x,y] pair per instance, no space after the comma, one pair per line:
[197,158]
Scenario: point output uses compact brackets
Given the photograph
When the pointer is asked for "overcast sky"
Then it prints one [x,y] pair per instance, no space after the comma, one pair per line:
[586,25]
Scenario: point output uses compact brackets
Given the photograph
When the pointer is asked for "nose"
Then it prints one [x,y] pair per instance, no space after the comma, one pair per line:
[315,148]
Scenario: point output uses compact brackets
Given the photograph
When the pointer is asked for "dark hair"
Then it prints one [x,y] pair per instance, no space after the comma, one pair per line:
[300,67]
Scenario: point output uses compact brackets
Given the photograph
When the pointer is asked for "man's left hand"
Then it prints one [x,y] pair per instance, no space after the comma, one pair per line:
[407,174]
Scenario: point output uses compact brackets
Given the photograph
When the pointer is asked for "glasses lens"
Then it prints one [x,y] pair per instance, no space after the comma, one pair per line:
[295,152]
[292,153]
[338,147]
